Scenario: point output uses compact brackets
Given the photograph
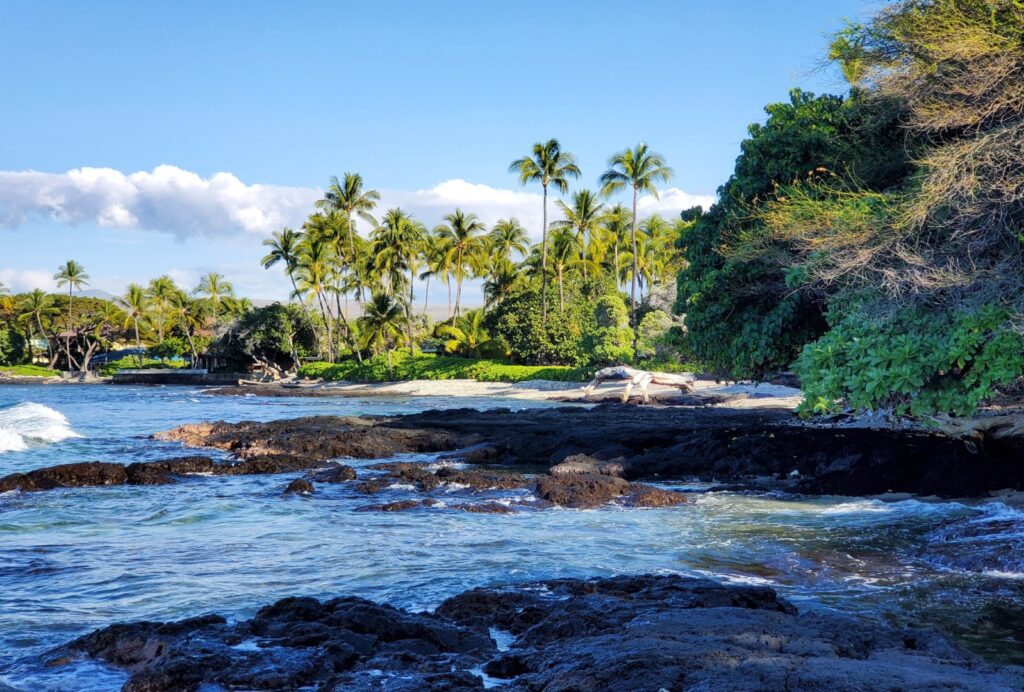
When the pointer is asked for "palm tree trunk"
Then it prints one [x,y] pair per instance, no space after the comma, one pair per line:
[544,262]
[408,309]
[448,280]
[458,294]
[67,334]
[426,294]
[138,340]
[632,233]
[49,349]
[327,321]
[561,293]
[618,281]
[391,368]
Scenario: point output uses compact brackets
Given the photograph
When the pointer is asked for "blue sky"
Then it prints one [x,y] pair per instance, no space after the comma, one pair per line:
[428,100]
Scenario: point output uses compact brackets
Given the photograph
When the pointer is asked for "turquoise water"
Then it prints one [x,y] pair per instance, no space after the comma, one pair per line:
[76,559]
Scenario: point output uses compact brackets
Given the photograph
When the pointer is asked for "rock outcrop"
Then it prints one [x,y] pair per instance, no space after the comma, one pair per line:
[621,633]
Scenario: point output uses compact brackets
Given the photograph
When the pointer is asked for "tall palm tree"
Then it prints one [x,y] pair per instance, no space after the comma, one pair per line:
[582,217]
[135,303]
[215,287]
[312,277]
[188,314]
[641,169]
[347,196]
[36,304]
[508,238]
[395,247]
[548,165]
[159,292]
[466,247]
[565,248]
[617,222]
[284,247]
[381,325]
[72,275]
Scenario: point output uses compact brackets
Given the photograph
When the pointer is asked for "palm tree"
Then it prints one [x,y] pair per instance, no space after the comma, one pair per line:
[347,196]
[312,276]
[508,237]
[505,279]
[215,287]
[284,247]
[395,247]
[565,248]
[72,275]
[548,165]
[381,325]
[617,222]
[466,334]
[36,304]
[641,169]
[160,291]
[466,247]
[582,217]
[188,314]
[135,304]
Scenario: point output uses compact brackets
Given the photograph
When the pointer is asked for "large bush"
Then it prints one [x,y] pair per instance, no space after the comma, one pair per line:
[12,347]
[611,341]
[918,362]
[518,321]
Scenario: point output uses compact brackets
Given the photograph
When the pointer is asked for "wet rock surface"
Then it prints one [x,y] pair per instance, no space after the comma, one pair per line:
[620,633]
[300,486]
[639,443]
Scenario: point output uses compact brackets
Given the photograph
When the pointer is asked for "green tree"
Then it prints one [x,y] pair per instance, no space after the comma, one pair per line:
[395,248]
[582,217]
[72,275]
[467,335]
[215,287]
[548,165]
[641,170]
[347,196]
[36,305]
[462,237]
[507,238]
[135,304]
[381,325]
[160,292]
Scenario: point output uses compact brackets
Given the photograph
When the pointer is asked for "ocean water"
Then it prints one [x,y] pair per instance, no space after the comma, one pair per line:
[76,559]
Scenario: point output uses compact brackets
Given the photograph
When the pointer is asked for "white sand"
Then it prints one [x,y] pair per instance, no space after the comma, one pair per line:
[734,395]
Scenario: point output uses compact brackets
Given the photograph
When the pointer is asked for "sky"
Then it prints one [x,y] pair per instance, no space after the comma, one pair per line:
[148,138]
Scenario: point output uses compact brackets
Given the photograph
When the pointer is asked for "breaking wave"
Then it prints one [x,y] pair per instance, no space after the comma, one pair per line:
[28,423]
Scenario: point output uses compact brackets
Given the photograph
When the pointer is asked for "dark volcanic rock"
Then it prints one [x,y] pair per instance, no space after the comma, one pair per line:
[296,642]
[335,473]
[78,475]
[649,443]
[620,633]
[300,486]
[581,490]
[649,496]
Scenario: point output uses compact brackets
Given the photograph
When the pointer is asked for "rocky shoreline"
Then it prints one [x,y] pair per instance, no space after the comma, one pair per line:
[756,447]
[621,633]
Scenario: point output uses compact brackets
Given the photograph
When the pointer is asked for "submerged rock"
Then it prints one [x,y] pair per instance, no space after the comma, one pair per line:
[300,486]
[621,633]
[335,473]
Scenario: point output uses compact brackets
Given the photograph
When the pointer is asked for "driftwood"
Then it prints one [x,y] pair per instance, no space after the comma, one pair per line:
[992,427]
[639,378]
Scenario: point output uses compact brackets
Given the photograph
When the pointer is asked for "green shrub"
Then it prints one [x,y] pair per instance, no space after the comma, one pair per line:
[171,347]
[29,371]
[653,335]
[12,347]
[919,362]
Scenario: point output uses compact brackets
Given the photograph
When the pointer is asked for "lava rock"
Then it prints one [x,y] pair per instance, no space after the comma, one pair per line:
[336,473]
[300,486]
[581,490]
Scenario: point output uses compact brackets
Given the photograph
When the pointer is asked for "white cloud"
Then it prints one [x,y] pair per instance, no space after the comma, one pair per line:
[172,200]
[489,203]
[670,202]
[24,280]
[168,199]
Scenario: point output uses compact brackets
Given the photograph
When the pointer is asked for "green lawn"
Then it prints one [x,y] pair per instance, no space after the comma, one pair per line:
[427,366]
[28,370]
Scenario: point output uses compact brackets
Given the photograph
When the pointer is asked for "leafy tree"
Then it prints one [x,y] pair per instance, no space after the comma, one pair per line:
[548,165]
[610,343]
[135,303]
[462,237]
[280,335]
[467,336]
[168,349]
[347,196]
[582,217]
[215,287]
[12,347]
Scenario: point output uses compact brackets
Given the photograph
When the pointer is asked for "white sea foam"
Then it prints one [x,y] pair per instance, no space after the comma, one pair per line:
[29,423]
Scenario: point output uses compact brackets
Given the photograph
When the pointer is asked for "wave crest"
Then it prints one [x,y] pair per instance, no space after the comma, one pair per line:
[30,423]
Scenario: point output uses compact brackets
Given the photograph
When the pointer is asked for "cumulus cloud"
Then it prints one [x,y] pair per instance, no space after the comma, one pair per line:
[489,203]
[172,200]
[672,201]
[168,199]
[24,280]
